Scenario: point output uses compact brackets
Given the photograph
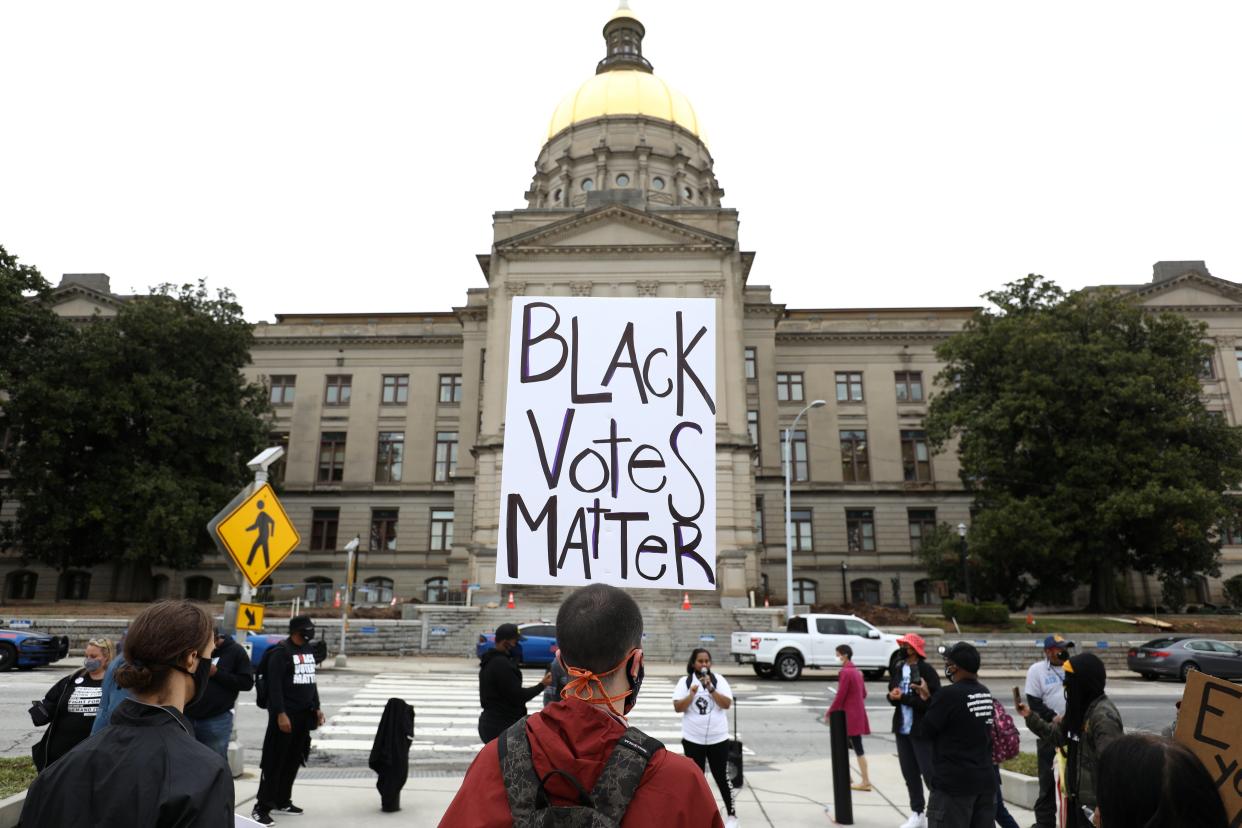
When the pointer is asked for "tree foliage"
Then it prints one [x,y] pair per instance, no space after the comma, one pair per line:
[1084,441]
[135,431]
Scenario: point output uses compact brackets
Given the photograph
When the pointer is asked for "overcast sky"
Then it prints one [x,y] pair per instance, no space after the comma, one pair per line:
[320,157]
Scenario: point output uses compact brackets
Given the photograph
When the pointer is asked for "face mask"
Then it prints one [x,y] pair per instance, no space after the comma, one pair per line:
[308,633]
[579,686]
[201,675]
[949,671]
[92,664]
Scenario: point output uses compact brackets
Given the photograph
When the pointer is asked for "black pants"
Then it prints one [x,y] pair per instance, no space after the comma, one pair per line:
[961,810]
[717,756]
[1046,803]
[283,754]
[492,724]
[915,757]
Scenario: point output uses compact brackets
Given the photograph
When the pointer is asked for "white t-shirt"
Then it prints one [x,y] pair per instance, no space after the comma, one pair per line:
[1043,681]
[703,722]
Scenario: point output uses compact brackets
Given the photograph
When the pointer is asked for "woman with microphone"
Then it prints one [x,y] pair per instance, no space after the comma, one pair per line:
[702,698]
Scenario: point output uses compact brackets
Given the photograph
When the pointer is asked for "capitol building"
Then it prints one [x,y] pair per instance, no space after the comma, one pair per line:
[393,420]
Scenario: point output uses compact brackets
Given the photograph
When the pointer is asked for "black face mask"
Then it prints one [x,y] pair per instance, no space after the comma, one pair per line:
[636,683]
[949,671]
[201,676]
[308,633]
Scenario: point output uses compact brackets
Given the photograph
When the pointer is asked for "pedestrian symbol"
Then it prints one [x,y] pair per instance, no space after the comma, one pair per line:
[250,616]
[256,533]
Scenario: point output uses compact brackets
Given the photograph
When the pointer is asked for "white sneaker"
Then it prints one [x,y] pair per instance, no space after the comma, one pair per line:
[915,821]
[731,822]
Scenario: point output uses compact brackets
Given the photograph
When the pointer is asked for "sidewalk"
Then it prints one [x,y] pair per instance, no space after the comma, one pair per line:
[792,795]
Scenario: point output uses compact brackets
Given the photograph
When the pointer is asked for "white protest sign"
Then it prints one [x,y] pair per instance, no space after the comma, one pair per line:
[610,444]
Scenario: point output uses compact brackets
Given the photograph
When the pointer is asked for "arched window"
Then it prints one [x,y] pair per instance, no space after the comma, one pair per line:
[865,591]
[198,588]
[925,592]
[377,590]
[318,590]
[20,585]
[74,586]
[804,591]
[437,590]
[159,587]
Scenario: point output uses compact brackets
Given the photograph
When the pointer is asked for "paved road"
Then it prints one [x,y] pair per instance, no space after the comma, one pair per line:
[776,720]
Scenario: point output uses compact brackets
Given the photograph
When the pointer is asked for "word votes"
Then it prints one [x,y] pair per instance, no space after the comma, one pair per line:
[303,668]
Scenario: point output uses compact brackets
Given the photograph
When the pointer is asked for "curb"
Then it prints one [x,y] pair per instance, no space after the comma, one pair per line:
[11,810]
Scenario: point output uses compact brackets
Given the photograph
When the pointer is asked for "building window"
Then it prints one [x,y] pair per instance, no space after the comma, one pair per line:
[849,386]
[588,184]
[800,520]
[800,460]
[1207,369]
[20,585]
[865,591]
[441,530]
[752,428]
[383,530]
[331,457]
[922,522]
[915,458]
[450,388]
[446,455]
[789,387]
[282,389]
[759,519]
[860,530]
[804,591]
[924,592]
[556,197]
[396,389]
[752,363]
[909,386]
[198,588]
[376,590]
[687,193]
[318,590]
[336,389]
[623,180]
[855,466]
[75,586]
[323,529]
[437,590]
[657,183]
[389,456]
[276,471]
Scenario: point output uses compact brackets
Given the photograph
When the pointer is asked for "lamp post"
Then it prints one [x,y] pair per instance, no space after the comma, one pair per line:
[961,532]
[788,518]
[351,550]
[845,587]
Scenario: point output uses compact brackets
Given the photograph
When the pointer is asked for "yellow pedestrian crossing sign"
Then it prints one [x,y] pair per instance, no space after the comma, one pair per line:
[250,616]
[256,533]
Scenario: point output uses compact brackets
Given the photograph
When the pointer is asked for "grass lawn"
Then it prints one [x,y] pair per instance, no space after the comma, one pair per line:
[16,774]
[1191,624]
[1023,763]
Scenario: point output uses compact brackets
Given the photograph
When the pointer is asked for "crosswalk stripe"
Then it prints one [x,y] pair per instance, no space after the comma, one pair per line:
[349,730]
[365,745]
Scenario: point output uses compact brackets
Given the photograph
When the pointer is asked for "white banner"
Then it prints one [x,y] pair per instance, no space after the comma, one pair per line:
[610,444]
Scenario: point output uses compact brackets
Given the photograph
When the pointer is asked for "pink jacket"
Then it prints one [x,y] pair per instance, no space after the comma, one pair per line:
[851,691]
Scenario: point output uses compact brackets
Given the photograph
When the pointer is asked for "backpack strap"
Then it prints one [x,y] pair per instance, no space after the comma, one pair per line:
[517,768]
[624,770]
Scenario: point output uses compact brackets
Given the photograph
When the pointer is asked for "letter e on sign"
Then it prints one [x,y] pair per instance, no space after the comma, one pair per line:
[1210,724]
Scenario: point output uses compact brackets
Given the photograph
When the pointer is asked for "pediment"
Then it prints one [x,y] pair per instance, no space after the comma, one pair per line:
[615,229]
[1191,290]
[78,302]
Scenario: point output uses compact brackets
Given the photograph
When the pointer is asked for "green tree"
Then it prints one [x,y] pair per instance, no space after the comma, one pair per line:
[1084,441]
[134,432]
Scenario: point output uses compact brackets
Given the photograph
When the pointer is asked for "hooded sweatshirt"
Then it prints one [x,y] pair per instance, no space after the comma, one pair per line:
[578,738]
[501,693]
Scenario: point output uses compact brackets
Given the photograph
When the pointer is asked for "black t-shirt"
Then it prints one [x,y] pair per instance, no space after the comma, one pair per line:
[75,700]
[958,721]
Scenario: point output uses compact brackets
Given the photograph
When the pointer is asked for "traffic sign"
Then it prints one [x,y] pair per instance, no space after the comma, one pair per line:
[256,532]
[250,616]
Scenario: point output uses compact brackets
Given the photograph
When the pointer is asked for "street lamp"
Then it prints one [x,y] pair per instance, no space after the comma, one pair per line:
[961,532]
[788,518]
[845,589]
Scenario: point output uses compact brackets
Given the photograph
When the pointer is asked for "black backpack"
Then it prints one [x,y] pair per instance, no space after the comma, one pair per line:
[603,807]
[260,675]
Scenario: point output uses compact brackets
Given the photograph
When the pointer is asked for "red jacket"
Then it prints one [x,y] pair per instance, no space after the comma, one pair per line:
[850,694]
[576,737]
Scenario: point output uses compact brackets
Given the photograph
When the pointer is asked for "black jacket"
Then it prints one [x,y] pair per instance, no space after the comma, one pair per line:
[233,674]
[145,770]
[912,699]
[501,693]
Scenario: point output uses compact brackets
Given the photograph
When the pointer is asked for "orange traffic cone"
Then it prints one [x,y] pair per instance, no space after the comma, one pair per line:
[685,601]
[1030,619]
[336,600]
[510,605]
[765,601]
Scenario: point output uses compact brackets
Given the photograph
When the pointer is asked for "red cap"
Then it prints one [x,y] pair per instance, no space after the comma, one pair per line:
[916,641]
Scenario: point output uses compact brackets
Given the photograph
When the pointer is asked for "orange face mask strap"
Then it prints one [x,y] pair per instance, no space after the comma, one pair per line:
[580,681]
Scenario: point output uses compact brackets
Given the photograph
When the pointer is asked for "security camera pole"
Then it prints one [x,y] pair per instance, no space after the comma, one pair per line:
[351,549]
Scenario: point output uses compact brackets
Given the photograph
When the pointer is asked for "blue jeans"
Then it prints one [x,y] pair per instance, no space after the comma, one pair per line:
[214,732]
[1003,818]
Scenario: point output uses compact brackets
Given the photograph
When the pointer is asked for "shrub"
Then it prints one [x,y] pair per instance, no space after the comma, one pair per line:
[1233,590]
[992,613]
[964,612]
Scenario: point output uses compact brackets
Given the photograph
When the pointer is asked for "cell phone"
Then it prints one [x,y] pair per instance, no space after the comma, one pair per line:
[1017,697]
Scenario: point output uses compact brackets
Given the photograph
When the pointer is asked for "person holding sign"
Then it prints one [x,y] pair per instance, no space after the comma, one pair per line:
[702,698]
[1090,724]
[1148,782]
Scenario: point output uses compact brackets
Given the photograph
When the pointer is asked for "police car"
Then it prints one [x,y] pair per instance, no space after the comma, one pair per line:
[24,649]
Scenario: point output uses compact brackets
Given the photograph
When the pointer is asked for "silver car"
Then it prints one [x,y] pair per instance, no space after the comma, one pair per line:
[1178,657]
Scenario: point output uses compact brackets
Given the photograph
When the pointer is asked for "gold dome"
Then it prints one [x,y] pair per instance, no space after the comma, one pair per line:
[625,92]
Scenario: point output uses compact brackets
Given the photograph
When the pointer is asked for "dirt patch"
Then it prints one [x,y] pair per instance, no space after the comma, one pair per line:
[879,616]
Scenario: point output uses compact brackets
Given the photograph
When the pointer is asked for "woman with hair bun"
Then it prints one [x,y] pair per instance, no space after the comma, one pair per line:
[145,769]
[1148,782]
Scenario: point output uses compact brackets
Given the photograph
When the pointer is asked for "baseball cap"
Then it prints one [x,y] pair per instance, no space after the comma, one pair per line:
[1058,641]
[508,632]
[963,655]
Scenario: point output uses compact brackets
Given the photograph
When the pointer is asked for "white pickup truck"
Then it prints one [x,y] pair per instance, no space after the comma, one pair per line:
[812,641]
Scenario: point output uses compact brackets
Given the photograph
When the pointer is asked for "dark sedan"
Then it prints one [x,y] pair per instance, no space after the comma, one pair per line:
[1178,657]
